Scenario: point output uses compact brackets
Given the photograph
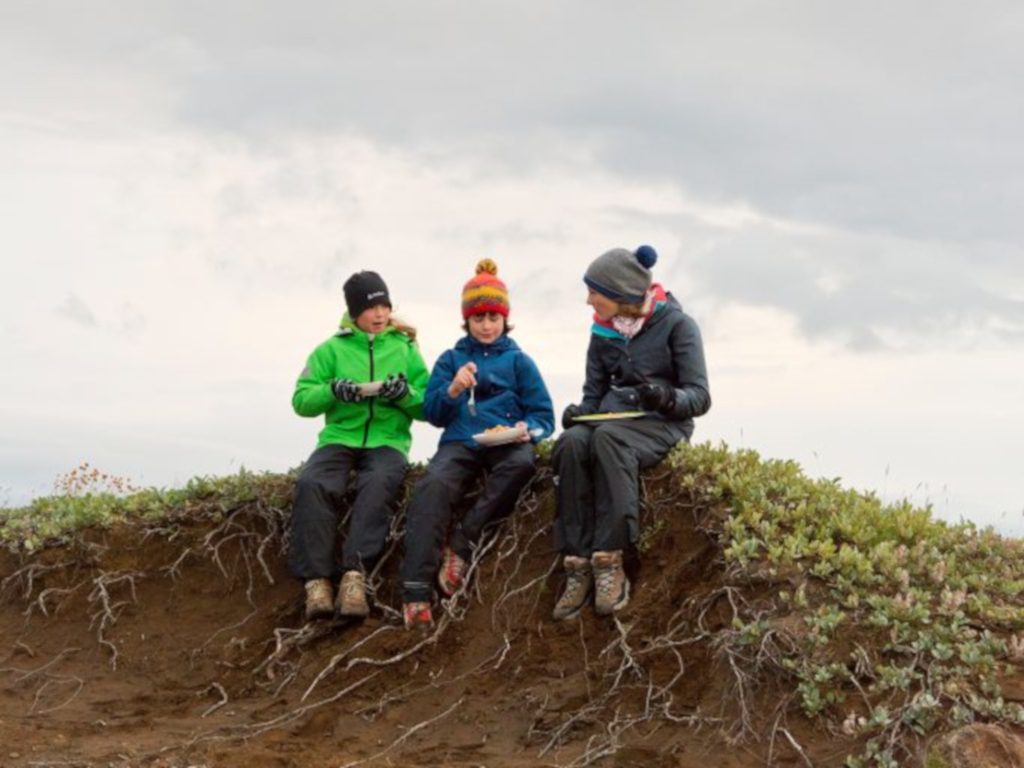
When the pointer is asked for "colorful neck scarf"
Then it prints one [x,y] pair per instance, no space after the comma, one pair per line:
[629,327]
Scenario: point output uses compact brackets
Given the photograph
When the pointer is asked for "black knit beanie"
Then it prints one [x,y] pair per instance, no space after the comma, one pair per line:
[364,290]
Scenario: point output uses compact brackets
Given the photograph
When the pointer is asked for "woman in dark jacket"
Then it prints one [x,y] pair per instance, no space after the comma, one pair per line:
[645,355]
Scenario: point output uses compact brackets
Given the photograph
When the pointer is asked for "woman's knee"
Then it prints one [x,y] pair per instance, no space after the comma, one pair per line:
[603,440]
[574,441]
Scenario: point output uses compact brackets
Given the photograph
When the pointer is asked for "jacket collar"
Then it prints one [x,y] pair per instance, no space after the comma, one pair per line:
[348,327]
[468,345]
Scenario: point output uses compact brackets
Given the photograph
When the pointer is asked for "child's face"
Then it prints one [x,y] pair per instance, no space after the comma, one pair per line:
[485,327]
[604,307]
[375,319]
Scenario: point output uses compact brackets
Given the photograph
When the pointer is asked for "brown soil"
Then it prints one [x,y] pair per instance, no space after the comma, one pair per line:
[185,646]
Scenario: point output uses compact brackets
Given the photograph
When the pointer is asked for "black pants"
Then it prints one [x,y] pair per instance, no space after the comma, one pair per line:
[319,491]
[509,468]
[597,472]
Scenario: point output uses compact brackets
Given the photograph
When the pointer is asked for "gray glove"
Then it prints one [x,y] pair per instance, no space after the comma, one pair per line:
[394,387]
[346,390]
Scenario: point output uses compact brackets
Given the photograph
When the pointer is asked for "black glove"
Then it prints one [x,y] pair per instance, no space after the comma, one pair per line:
[656,397]
[570,412]
[346,390]
[394,387]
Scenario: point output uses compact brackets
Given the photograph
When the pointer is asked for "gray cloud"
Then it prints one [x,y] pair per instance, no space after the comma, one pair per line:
[869,292]
[868,116]
[76,310]
[871,120]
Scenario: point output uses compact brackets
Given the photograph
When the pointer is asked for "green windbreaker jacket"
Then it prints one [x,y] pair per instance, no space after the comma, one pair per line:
[354,354]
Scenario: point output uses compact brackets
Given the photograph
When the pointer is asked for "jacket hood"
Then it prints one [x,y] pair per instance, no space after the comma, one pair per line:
[671,302]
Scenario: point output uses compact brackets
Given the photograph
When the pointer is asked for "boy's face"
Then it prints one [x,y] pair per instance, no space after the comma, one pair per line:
[375,319]
[604,307]
[485,327]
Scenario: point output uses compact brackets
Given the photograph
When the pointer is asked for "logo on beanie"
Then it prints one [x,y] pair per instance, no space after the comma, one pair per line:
[375,295]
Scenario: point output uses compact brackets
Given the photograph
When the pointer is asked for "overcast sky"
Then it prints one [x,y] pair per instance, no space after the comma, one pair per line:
[835,191]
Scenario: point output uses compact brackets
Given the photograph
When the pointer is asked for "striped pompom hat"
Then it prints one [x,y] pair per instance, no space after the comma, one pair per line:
[485,292]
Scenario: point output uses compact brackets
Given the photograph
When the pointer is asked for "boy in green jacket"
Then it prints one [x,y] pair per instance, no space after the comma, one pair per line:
[368,381]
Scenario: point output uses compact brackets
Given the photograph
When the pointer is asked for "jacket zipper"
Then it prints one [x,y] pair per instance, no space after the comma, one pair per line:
[369,418]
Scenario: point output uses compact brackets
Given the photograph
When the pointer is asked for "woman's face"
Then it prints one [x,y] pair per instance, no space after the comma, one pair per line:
[604,307]
[375,319]
[485,327]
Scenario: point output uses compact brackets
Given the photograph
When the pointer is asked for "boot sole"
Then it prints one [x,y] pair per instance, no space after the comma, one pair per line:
[353,614]
[569,616]
[576,612]
[446,589]
[320,613]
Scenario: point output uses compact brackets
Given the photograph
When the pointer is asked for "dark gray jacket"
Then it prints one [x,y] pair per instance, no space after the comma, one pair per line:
[668,350]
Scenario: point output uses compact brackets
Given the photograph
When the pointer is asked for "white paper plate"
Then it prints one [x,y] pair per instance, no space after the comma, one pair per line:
[615,416]
[500,437]
[370,388]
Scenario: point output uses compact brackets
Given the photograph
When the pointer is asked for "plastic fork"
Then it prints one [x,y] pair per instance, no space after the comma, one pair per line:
[471,405]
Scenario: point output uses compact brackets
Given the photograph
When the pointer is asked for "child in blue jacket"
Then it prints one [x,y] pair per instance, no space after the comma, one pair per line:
[485,381]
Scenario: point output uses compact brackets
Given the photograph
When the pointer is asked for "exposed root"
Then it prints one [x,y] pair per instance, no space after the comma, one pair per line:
[27,576]
[406,692]
[405,736]
[107,611]
[56,680]
[246,732]
[338,658]
[44,595]
[223,698]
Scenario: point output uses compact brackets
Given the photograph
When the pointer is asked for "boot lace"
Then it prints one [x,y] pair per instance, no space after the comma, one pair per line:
[575,586]
[354,586]
[454,569]
[605,579]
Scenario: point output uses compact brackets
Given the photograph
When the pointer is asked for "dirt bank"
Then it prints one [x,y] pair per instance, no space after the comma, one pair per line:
[182,643]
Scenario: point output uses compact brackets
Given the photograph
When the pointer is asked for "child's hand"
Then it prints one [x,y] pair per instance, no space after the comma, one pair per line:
[346,390]
[465,378]
[526,432]
[394,387]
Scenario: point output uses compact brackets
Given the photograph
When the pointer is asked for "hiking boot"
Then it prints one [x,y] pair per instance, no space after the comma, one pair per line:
[352,595]
[319,599]
[452,573]
[579,581]
[612,586]
[417,616]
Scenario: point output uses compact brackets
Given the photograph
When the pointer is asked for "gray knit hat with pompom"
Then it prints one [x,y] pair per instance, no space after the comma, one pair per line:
[621,275]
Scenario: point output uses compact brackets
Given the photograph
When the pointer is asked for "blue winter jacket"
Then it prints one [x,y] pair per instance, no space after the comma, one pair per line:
[509,389]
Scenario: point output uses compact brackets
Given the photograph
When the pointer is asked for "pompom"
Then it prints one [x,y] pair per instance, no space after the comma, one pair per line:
[647,256]
[488,266]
